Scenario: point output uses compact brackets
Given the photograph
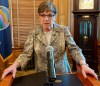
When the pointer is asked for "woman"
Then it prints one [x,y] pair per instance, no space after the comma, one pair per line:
[50,34]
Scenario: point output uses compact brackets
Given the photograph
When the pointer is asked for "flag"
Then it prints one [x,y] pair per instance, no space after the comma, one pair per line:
[5,33]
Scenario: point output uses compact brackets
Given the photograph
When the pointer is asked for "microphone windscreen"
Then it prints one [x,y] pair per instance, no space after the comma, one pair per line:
[50,52]
[49,48]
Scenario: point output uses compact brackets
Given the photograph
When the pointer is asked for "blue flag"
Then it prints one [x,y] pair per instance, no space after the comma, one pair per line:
[5,34]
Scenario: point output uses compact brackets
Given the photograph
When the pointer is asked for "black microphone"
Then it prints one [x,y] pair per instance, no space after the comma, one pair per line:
[51,64]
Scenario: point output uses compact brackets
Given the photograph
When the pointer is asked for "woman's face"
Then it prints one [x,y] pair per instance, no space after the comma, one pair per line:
[47,19]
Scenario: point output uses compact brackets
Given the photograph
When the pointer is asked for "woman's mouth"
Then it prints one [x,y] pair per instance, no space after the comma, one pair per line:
[46,23]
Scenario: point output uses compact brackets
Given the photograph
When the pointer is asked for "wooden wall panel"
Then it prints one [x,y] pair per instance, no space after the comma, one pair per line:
[98,53]
[62,15]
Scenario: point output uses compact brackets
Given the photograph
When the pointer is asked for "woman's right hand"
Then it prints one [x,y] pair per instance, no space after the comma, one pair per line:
[12,69]
[8,70]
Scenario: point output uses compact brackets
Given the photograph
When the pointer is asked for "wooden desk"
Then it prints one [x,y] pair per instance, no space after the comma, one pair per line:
[90,81]
[7,81]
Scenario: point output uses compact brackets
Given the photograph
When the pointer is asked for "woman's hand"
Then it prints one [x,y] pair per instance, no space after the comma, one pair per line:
[8,70]
[87,70]
[12,69]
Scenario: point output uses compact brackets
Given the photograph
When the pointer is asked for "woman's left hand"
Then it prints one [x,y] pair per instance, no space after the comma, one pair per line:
[87,70]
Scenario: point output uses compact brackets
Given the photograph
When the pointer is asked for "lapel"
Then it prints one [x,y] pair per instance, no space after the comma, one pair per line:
[53,36]
[42,38]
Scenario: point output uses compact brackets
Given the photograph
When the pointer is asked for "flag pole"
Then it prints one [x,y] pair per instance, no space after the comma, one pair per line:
[11,22]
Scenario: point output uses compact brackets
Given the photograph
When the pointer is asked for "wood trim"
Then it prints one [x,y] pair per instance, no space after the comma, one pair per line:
[98,43]
[7,81]
[89,81]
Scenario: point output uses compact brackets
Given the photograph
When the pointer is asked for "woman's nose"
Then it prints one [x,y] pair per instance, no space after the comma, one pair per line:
[46,18]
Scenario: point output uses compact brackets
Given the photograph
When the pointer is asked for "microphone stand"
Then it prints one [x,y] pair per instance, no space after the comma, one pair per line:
[51,66]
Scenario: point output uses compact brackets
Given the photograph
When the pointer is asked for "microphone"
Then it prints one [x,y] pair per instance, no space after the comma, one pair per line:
[51,64]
